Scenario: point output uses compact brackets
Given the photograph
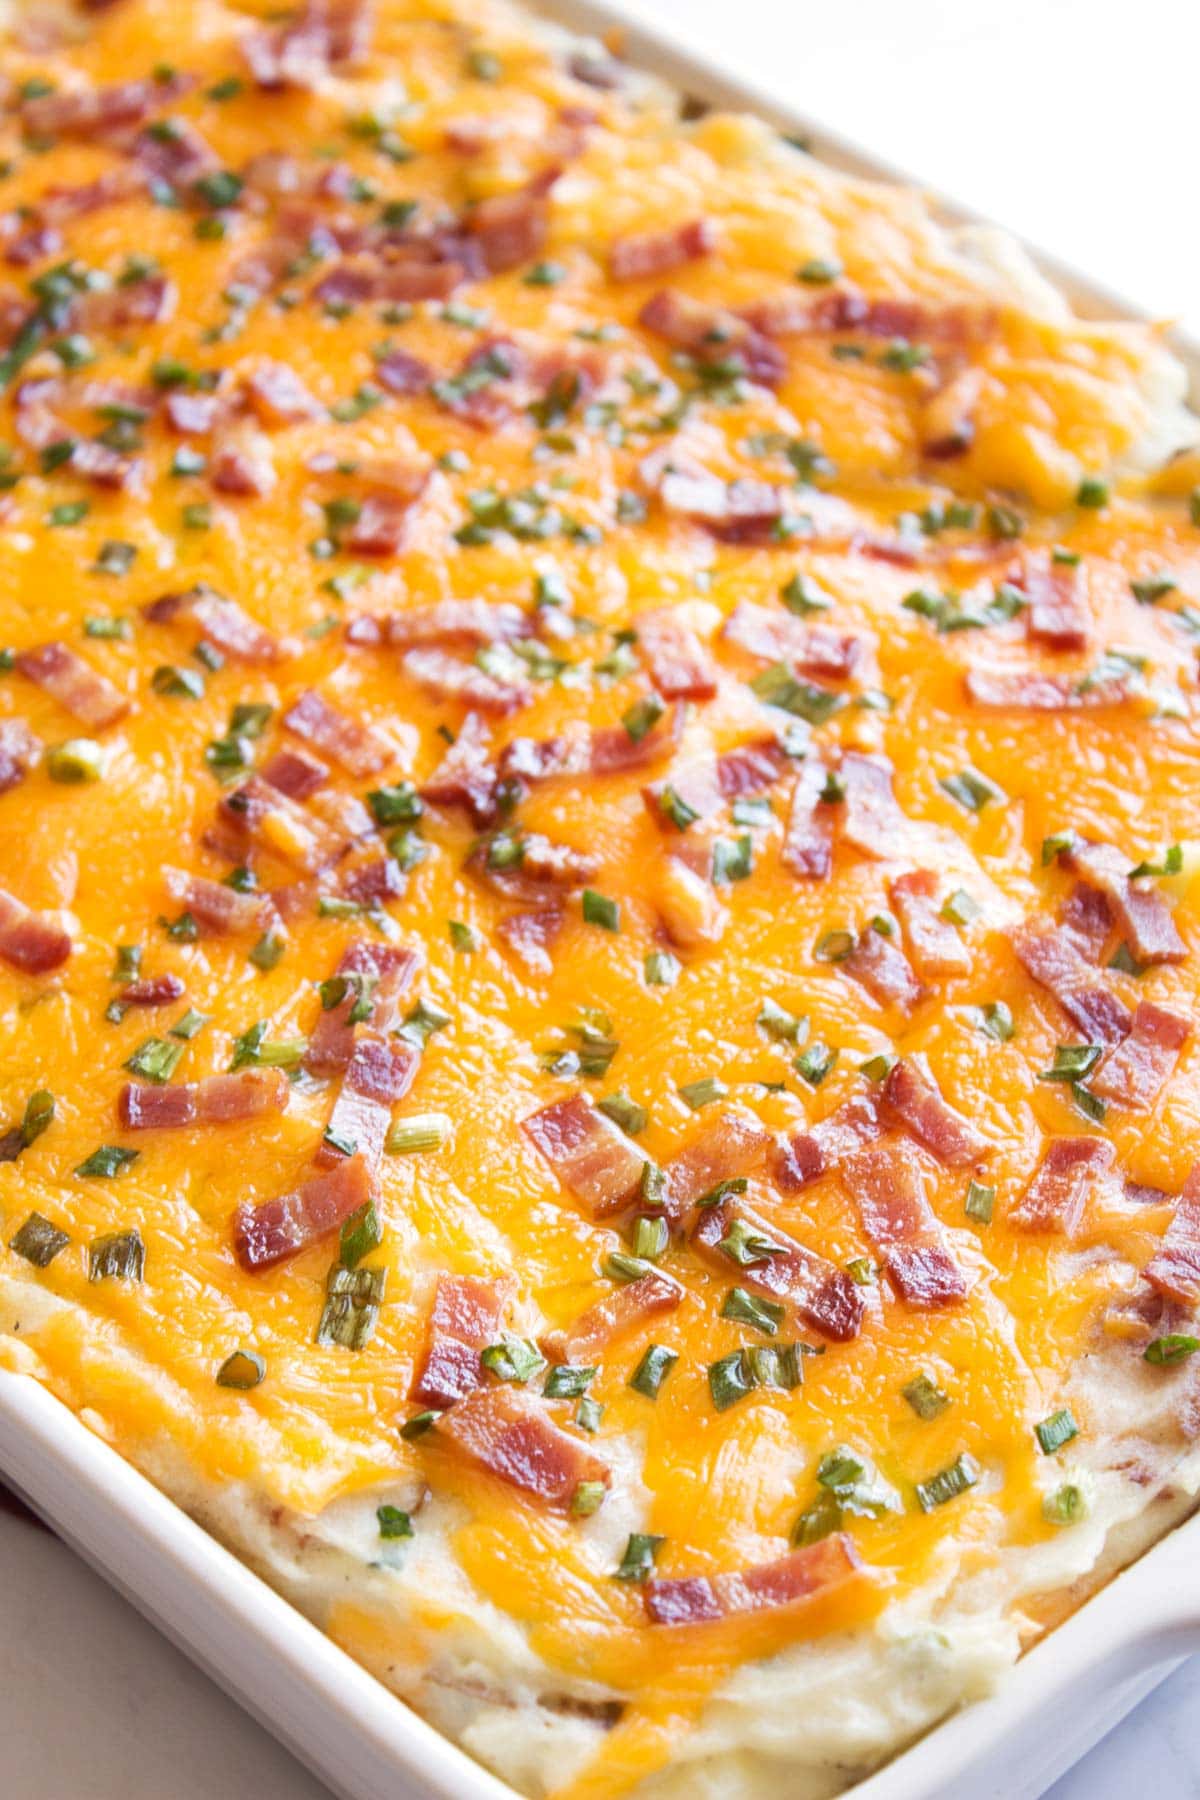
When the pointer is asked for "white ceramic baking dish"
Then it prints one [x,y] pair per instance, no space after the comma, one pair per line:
[341,1722]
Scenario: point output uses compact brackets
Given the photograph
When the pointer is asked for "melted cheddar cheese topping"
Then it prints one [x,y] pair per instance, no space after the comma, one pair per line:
[577,459]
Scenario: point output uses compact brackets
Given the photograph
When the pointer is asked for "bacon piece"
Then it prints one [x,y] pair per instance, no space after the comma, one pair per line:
[448,678]
[19,751]
[221,1100]
[807,1155]
[278,1229]
[88,697]
[102,466]
[98,112]
[692,783]
[151,990]
[590,1155]
[510,229]
[420,274]
[648,253]
[545,870]
[733,1145]
[1030,690]
[509,1433]
[465,776]
[354,746]
[948,419]
[713,334]
[781,637]
[377,1075]
[619,1312]
[871,819]
[1055,1198]
[530,934]
[1174,1269]
[881,967]
[294,773]
[934,947]
[737,512]
[218,909]
[257,814]
[1047,954]
[885,1182]
[824,1296]
[383,524]
[1087,919]
[241,464]
[789,1580]
[679,665]
[911,1093]
[375,880]
[29,940]
[178,155]
[1058,614]
[465,1319]
[325,35]
[450,621]
[145,302]
[808,838]
[224,623]
[193,415]
[278,397]
[750,768]
[847,310]
[387,972]
[1135,1073]
[402,374]
[612,751]
[1141,911]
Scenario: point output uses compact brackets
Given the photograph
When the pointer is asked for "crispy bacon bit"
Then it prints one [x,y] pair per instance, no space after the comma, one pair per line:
[376,879]
[808,839]
[258,814]
[509,1433]
[847,310]
[610,1318]
[382,974]
[589,1154]
[278,397]
[733,1145]
[934,946]
[103,466]
[218,909]
[914,1097]
[948,419]
[294,773]
[1087,919]
[807,1155]
[1055,1198]
[454,621]
[692,782]
[1141,911]
[377,1075]
[29,940]
[1135,1073]
[530,934]
[193,415]
[750,768]
[446,677]
[545,871]
[611,750]
[384,522]
[421,273]
[241,464]
[658,252]
[270,1233]
[465,776]
[19,751]
[882,968]
[326,35]
[698,1599]
[738,512]
[221,1100]
[88,697]
[178,155]
[1030,690]
[224,623]
[871,818]
[98,112]
[1059,614]
[1047,954]
[354,746]
[713,334]
[465,1319]
[402,374]
[824,1296]
[679,665]
[510,229]
[1174,1269]
[885,1182]
[816,650]
[151,990]
[145,302]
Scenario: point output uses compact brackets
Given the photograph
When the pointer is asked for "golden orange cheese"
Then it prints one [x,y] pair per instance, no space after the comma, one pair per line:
[962,446]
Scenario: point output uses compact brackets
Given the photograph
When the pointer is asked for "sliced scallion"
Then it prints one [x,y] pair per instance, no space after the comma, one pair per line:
[38,1241]
[961,1475]
[418,1132]
[1057,1430]
[655,1365]
[243,1370]
[118,1256]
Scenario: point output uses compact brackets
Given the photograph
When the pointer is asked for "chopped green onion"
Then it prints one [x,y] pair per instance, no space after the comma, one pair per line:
[418,1425]
[513,1359]
[1167,1351]
[861,1271]
[351,1310]
[834,947]
[38,1241]
[661,969]
[462,937]
[76,761]
[625,1112]
[765,1315]
[971,789]
[1067,1505]
[641,1552]
[730,1184]
[948,1483]
[996,1020]
[980,1202]
[588,1414]
[655,1365]
[959,908]
[618,1265]
[642,716]
[395,805]
[243,1370]
[393,1522]
[156,1060]
[1057,1430]
[698,1094]
[801,595]
[588,1498]
[925,1397]
[599,910]
[778,1023]
[565,1382]
[361,1233]
[1072,1062]
[118,1256]
[1092,493]
[107,1161]
[818,271]
[422,1022]
[814,1064]
[747,1247]
[732,861]
[650,1238]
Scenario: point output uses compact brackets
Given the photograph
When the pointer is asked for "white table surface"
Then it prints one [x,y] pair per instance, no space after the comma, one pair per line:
[1071,120]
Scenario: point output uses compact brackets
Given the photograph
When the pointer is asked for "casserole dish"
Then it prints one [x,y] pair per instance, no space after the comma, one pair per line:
[603,917]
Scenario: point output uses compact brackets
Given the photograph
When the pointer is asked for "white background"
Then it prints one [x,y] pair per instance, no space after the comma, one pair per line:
[1074,122]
